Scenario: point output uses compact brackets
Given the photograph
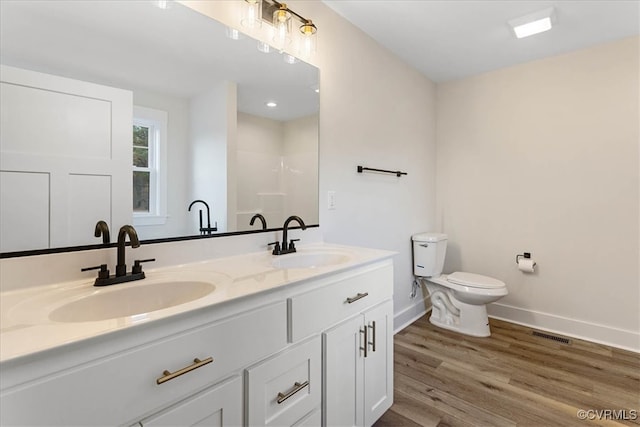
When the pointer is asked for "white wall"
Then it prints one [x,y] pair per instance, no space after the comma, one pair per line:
[543,157]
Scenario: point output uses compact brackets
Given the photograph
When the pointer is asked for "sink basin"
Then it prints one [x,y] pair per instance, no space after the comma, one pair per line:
[113,302]
[310,260]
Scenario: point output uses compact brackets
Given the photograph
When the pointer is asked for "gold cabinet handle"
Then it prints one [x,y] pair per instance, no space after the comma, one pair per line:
[373,330]
[296,388]
[365,341]
[166,375]
[357,297]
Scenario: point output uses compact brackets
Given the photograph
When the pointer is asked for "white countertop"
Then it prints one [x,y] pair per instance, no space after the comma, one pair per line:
[26,326]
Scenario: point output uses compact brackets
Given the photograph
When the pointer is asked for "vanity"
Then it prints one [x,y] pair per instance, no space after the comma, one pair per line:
[255,339]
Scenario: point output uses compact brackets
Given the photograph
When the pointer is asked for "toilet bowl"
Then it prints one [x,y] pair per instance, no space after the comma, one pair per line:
[459,300]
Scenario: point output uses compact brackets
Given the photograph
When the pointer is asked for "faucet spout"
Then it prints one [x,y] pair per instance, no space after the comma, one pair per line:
[125,230]
[262,220]
[102,229]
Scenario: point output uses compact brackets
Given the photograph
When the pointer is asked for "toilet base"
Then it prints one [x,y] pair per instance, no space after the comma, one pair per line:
[473,320]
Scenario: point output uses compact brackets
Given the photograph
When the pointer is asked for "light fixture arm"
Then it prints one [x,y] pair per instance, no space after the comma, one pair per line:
[300,17]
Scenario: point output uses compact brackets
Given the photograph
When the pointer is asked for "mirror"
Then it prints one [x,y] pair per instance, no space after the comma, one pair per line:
[85,84]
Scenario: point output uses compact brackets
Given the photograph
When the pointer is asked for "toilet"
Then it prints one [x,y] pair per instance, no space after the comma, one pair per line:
[459,300]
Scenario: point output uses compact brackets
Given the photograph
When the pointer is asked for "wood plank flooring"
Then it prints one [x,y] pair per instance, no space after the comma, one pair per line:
[511,378]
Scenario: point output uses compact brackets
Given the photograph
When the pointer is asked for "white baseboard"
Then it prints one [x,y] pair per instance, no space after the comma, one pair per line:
[410,314]
[614,337]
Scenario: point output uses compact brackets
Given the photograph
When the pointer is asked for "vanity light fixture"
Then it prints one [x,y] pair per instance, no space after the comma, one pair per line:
[533,23]
[281,19]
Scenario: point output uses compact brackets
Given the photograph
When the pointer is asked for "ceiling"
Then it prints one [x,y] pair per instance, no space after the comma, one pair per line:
[452,39]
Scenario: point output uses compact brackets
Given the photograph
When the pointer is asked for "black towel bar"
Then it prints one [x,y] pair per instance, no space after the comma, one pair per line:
[396,173]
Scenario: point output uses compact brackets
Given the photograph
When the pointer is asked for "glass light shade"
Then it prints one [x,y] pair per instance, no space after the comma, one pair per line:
[309,39]
[251,14]
[282,26]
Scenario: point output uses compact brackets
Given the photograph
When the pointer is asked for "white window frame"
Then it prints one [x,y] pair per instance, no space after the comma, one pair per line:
[156,121]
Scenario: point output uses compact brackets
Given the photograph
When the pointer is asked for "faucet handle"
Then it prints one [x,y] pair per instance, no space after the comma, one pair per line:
[102,274]
[137,267]
[292,246]
[276,248]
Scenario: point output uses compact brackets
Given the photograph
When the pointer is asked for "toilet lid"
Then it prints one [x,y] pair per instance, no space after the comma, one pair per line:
[474,280]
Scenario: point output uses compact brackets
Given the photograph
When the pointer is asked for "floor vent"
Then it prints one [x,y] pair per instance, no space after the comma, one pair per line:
[551,337]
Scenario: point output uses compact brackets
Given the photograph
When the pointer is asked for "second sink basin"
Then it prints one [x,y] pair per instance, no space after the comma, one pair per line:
[113,302]
[310,260]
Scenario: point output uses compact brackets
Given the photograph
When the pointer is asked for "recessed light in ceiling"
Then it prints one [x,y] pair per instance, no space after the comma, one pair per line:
[533,23]
[271,104]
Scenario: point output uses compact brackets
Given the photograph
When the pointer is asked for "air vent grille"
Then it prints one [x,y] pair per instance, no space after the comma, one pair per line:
[551,337]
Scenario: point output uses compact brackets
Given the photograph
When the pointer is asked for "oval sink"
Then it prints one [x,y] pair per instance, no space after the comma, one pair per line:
[310,260]
[114,302]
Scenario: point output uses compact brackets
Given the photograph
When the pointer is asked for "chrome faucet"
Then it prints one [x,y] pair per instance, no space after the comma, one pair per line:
[121,276]
[261,218]
[287,247]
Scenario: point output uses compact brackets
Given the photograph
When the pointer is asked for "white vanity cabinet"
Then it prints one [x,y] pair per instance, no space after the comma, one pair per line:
[314,352]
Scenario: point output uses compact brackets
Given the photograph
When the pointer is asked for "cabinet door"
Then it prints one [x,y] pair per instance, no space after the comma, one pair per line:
[218,406]
[378,365]
[343,374]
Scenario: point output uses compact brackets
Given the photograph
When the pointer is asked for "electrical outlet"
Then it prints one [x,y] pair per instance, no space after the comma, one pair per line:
[331,200]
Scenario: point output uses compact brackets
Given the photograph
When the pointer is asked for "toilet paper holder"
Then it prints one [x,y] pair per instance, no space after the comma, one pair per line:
[526,255]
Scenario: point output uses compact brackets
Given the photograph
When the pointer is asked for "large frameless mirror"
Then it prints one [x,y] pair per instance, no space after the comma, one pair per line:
[124,112]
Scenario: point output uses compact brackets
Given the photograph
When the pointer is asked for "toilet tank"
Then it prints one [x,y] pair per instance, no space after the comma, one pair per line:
[428,254]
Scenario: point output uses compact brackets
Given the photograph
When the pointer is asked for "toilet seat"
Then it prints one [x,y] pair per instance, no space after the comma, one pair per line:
[474,280]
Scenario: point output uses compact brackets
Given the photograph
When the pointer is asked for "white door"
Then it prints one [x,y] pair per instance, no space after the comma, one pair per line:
[66,159]
[378,365]
[343,374]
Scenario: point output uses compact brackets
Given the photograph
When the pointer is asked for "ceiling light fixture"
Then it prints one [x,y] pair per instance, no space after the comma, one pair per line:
[533,23]
[271,104]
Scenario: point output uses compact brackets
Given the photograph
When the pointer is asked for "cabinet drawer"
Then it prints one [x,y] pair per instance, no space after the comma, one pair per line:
[121,387]
[316,310]
[284,389]
[220,405]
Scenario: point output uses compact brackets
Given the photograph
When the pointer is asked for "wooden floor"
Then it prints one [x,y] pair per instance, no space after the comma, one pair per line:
[511,378]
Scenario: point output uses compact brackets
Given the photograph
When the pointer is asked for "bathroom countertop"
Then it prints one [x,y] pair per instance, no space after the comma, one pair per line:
[26,326]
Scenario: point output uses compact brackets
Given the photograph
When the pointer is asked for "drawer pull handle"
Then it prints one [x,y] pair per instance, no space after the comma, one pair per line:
[357,297]
[296,388]
[373,329]
[166,375]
